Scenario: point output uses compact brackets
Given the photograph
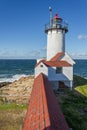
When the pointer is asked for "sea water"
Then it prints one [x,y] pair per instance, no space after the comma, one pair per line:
[80,68]
[11,70]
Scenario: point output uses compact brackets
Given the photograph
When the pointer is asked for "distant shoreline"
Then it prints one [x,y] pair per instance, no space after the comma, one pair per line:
[80,76]
[3,83]
[34,59]
[6,82]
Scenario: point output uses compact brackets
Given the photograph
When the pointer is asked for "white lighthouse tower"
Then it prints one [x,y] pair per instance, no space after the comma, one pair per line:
[58,66]
[56,31]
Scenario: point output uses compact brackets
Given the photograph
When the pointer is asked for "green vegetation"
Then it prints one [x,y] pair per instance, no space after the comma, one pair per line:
[78,81]
[6,106]
[82,89]
[12,115]
[12,119]
[74,105]
[81,85]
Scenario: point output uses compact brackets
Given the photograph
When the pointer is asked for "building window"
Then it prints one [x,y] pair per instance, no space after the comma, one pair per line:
[58,70]
[41,65]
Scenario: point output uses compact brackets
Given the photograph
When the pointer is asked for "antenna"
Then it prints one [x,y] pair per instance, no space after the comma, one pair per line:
[50,10]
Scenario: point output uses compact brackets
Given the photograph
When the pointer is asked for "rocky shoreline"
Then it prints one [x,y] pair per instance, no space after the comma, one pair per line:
[2,84]
[18,91]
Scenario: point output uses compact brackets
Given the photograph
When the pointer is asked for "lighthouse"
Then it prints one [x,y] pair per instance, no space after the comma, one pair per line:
[58,65]
[55,31]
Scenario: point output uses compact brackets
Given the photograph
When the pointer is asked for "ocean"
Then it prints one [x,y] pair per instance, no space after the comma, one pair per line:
[11,70]
[80,68]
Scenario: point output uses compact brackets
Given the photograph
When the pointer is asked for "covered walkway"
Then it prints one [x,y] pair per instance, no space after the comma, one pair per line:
[44,112]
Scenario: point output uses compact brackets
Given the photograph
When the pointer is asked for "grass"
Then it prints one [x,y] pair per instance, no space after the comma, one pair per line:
[78,81]
[74,105]
[74,108]
[11,119]
[80,85]
[12,106]
[82,89]
[12,115]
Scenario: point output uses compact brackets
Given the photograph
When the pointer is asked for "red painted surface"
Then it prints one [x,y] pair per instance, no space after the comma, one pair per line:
[55,61]
[40,62]
[57,56]
[56,16]
[44,112]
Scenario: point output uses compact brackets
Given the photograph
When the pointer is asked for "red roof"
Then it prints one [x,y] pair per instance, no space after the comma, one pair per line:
[57,63]
[44,112]
[57,56]
[40,62]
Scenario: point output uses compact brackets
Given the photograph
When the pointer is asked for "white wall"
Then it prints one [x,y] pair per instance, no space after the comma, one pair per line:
[68,83]
[66,76]
[55,42]
[68,59]
[39,69]
[68,72]
[53,76]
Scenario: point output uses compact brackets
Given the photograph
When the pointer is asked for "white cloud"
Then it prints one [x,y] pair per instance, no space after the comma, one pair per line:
[34,54]
[82,36]
[7,54]
[44,48]
[79,55]
[20,54]
[37,54]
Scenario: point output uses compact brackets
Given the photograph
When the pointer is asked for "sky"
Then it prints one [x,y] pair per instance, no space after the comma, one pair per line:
[22,24]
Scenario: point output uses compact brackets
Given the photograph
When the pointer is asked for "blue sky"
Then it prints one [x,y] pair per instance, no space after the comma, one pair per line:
[22,27]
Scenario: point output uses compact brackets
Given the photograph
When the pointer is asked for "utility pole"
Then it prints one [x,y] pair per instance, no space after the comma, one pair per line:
[50,10]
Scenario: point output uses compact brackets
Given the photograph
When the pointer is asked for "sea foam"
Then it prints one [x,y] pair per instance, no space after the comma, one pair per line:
[13,78]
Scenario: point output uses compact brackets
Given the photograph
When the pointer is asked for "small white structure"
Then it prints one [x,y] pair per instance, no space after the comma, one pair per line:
[58,66]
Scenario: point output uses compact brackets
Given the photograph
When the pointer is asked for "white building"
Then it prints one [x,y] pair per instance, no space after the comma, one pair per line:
[58,66]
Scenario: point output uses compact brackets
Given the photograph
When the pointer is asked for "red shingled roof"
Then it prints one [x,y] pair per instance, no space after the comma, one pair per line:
[57,56]
[44,112]
[57,63]
[40,62]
